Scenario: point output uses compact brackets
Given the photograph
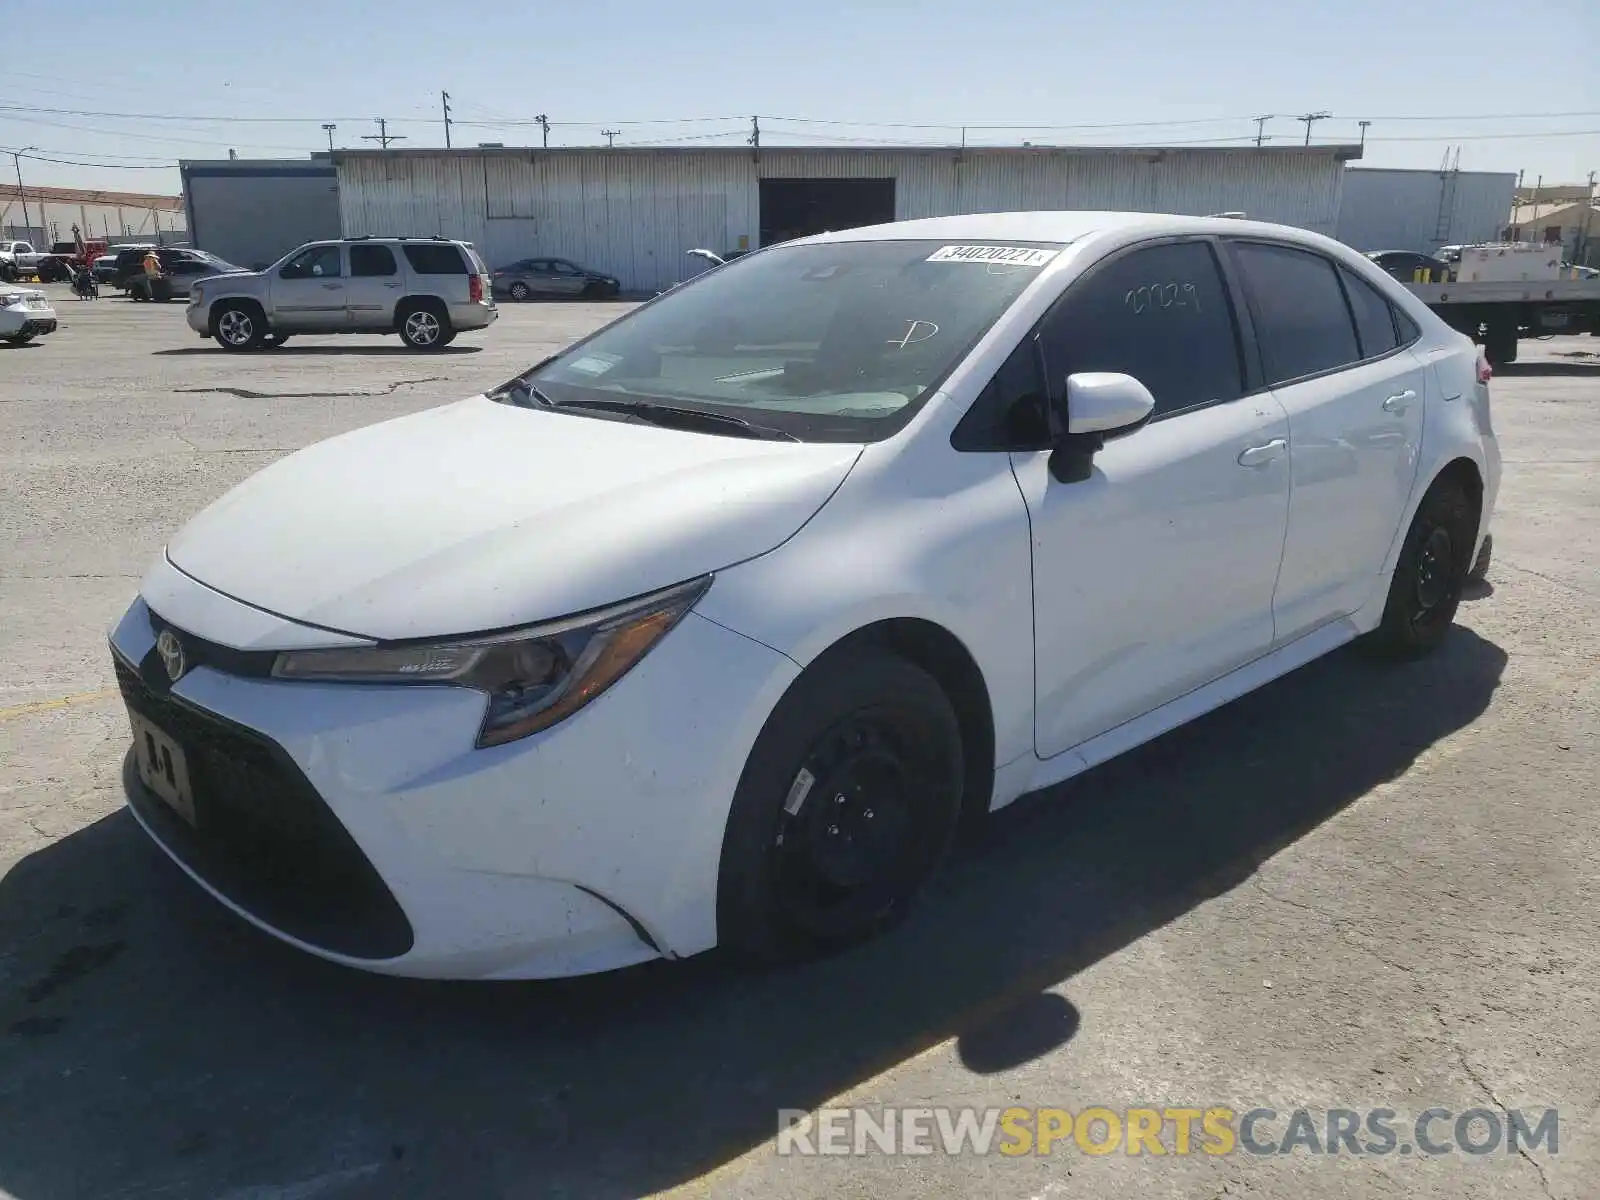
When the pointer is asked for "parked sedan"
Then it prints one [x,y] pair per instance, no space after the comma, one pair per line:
[552,279]
[25,313]
[710,628]
[1408,266]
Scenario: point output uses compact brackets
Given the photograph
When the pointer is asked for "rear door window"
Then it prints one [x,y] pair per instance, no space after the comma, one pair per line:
[1302,322]
[372,261]
[435,259]
[1160,314]
[1374,317]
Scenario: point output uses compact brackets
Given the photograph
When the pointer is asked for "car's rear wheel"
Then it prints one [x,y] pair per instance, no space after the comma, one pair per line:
[425,327]
[845,810]
[21,339]
[239,327]
[520,292]
[1425,590]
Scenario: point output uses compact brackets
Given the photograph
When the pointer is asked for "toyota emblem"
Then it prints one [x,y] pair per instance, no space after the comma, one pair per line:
[171,651]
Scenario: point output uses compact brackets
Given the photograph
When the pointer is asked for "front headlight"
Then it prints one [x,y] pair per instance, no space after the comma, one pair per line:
[534,677]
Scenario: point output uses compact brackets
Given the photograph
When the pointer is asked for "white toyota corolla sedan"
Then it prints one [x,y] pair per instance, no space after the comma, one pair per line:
[707,629]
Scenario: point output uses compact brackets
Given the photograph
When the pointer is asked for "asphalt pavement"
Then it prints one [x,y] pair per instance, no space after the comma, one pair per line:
[1359,888]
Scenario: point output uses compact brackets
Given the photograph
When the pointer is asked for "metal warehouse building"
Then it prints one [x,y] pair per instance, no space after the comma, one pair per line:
[1423,210]
[252,212]
[633,213]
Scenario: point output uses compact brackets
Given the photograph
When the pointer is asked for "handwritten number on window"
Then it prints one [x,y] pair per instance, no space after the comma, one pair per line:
[1160,296]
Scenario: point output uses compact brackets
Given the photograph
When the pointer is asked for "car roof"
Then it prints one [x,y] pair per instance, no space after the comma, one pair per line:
[1065,226]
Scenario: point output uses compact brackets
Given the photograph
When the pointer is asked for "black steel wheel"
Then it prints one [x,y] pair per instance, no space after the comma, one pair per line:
[845,811]
[1425,590]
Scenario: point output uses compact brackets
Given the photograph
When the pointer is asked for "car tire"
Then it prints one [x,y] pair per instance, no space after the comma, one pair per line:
[594,291]
[1429,575]
[1480,565]
[520,292]
[845,811]
[424,326]
[21,339]
[1500,343]
[239,327]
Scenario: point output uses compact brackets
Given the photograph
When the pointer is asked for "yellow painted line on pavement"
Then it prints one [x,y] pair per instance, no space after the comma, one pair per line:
[39,706]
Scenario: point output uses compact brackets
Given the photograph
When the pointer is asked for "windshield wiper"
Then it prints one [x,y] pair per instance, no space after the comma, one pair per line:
[523,393]
[672,417]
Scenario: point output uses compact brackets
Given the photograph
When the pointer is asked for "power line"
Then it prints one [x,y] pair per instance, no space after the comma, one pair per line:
[71,162]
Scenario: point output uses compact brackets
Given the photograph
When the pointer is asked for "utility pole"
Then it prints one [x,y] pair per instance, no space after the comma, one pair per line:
[1580,251]
[444,99]
[1363,125]
[1310,119]
[1261,125]
[328,128]
[755,138]
[543,122]
[383,137]
[611,136]
[16,161]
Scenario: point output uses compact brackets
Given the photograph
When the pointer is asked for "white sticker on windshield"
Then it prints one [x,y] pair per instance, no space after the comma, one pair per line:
[593,364]
[1010,256]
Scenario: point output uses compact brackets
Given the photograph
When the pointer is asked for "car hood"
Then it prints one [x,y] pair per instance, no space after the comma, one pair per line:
[480,516]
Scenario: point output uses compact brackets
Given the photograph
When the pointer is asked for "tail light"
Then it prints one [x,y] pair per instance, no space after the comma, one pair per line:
[1485,371]
[475,289]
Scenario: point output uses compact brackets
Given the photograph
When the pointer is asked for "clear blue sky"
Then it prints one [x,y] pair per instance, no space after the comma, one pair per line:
[1201,69]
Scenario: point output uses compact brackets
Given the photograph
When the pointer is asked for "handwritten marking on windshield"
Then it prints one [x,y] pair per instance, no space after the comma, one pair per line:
[1020,256]
[913,333]
[1163,295]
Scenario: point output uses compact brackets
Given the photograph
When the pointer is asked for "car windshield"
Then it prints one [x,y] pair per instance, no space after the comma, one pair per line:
[833,341]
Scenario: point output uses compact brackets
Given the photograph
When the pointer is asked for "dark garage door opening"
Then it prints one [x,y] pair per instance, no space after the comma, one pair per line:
[792,208]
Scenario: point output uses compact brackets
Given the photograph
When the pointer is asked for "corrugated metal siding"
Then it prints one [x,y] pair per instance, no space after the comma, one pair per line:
[633,215]
[1401,210]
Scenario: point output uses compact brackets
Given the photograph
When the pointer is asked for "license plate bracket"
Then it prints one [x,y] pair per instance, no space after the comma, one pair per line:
[162,766]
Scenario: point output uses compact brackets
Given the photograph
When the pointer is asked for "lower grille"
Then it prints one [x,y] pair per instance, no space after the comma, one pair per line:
[262,836]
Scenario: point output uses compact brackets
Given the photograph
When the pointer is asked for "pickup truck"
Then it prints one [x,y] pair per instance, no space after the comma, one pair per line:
[18,259]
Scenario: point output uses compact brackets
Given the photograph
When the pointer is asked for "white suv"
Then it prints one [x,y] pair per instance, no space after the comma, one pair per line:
[708,628]
[425,289]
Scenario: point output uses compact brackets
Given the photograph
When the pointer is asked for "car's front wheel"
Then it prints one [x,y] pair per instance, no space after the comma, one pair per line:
[239,327]
[520,292]
[845,811]
[1430,574]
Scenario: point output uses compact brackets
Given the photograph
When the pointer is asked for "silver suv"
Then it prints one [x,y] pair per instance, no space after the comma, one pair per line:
[425,289]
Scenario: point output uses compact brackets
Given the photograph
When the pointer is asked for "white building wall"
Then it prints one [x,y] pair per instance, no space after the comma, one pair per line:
[1423,210]
[633,214]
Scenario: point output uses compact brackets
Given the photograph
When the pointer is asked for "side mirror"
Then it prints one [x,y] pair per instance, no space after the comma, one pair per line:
[1098,405]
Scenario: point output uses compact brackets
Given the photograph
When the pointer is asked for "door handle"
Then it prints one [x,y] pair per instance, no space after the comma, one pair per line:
[333,287]
[1399,402]
[1260,456]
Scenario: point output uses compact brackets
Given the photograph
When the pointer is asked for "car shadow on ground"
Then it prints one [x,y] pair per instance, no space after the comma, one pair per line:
[292,351]
[150,1044]
[1531,369]
[5,345]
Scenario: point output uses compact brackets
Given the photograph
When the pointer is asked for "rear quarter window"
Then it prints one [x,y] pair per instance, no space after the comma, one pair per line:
[438,259]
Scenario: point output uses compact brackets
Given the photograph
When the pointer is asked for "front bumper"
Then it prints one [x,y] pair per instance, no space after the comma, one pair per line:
[385,841]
